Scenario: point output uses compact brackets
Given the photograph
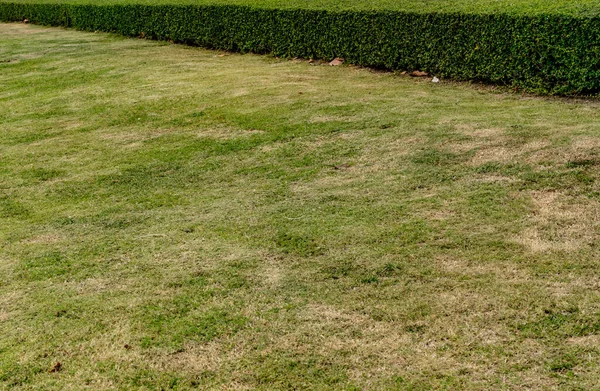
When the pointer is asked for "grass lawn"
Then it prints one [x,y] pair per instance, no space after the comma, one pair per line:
[177,218]
[570,7]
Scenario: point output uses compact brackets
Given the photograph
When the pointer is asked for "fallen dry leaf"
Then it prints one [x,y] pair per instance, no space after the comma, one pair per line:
[341,166]
[419,74]
[57,367]
[336,61]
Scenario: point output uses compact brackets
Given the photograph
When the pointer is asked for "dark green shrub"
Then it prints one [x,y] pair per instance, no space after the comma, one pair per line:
[556,54]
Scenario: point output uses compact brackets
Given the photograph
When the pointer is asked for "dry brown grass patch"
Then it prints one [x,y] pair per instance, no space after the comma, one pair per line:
[560,223]
[45,239]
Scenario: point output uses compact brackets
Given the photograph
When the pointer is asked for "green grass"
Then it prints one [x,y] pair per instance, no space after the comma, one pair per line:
[571,7]
[176,218]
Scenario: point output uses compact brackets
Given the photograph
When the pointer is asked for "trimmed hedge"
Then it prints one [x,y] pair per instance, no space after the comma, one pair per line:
[555,54]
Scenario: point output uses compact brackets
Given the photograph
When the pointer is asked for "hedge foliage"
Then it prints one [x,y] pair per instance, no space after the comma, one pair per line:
[521,7]
[556,54]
